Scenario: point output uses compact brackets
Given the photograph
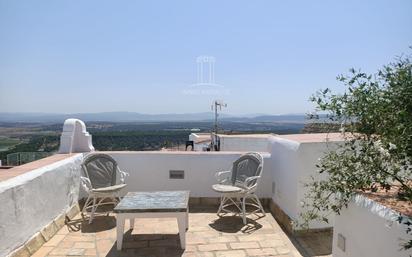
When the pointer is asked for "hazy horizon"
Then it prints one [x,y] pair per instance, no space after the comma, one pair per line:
[165,113]
[98,56]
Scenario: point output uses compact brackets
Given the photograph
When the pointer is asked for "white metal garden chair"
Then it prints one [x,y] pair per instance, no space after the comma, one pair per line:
[101,182]
[239,184]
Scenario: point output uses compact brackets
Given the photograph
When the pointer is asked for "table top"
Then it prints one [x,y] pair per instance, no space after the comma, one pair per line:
[158,201]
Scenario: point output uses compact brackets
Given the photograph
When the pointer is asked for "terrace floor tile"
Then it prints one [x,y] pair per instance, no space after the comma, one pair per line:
[208,235]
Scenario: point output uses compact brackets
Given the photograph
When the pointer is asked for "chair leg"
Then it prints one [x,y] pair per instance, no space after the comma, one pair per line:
[84,209]
[260,204]
[222,202]
[94,207]
[244,210]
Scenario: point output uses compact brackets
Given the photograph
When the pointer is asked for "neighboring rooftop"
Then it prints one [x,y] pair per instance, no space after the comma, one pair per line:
[313,138]
[247,135]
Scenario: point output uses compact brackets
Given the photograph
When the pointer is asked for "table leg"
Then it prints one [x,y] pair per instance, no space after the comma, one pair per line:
[187,219]
[131,223]
[120,230]
[182,223]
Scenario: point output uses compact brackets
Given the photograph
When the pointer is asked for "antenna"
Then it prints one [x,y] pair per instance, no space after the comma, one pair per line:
[217,105]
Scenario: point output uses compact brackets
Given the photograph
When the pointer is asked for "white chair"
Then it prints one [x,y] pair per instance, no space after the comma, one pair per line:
[101,182]
[239,184]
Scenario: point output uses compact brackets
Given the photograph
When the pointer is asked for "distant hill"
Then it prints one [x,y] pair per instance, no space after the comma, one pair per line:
[136,117]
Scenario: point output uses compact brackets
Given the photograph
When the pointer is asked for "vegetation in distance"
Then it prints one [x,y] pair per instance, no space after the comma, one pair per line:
[132,136]
[7,142]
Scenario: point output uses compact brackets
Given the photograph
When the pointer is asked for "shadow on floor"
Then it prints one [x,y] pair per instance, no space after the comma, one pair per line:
[313,244]
[146,252]
[148,245]
[234,224]
[316,244]
[203,209]
[100,223]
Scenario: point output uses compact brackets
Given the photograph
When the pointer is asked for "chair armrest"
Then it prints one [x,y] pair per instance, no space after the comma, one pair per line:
[219,175]
[86,184]
[251,180]
[123,175]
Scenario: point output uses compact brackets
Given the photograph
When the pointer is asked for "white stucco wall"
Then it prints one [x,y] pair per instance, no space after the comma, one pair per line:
[308,155]
[149,171]
[293,163]
[244,143]
[370,230]
[32,200]
[285,174]
[75,138]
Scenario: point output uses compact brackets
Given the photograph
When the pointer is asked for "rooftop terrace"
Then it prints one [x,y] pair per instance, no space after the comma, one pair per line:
[208,235]
[40,204]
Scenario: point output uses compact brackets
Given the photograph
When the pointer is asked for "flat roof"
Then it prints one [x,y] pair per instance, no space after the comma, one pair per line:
[248,135]
[314,137]
[302,138]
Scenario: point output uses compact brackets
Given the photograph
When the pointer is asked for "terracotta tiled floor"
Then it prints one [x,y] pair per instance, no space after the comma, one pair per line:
[208,235]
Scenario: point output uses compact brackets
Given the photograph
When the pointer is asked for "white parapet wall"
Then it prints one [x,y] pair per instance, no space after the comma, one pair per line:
[285,175]
[149,171]
[368,229]
[293,164]
[257,143]
[32,200]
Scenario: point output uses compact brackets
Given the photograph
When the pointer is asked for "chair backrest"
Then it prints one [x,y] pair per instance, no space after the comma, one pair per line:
[248,165]
[100,169]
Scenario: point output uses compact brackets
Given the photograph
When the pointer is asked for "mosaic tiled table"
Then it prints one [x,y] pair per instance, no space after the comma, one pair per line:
[160,204]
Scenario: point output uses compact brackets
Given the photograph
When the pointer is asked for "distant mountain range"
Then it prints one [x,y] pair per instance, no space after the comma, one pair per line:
[139,117]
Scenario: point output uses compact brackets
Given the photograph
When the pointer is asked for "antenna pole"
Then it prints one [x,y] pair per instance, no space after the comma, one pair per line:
[216,117]
[217,104]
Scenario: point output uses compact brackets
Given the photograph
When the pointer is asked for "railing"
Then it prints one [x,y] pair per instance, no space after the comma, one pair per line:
[15,159]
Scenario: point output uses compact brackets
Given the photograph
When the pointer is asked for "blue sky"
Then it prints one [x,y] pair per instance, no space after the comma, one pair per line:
[97,56]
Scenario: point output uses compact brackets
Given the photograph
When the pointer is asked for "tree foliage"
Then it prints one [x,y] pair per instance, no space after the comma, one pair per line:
[375,116]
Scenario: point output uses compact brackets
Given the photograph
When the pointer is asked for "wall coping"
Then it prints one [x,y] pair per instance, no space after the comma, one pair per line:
[33,173]
[376,208]
[22,169]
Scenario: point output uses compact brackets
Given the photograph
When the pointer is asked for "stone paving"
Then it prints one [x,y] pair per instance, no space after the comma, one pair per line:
[208,235]
[315,244]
